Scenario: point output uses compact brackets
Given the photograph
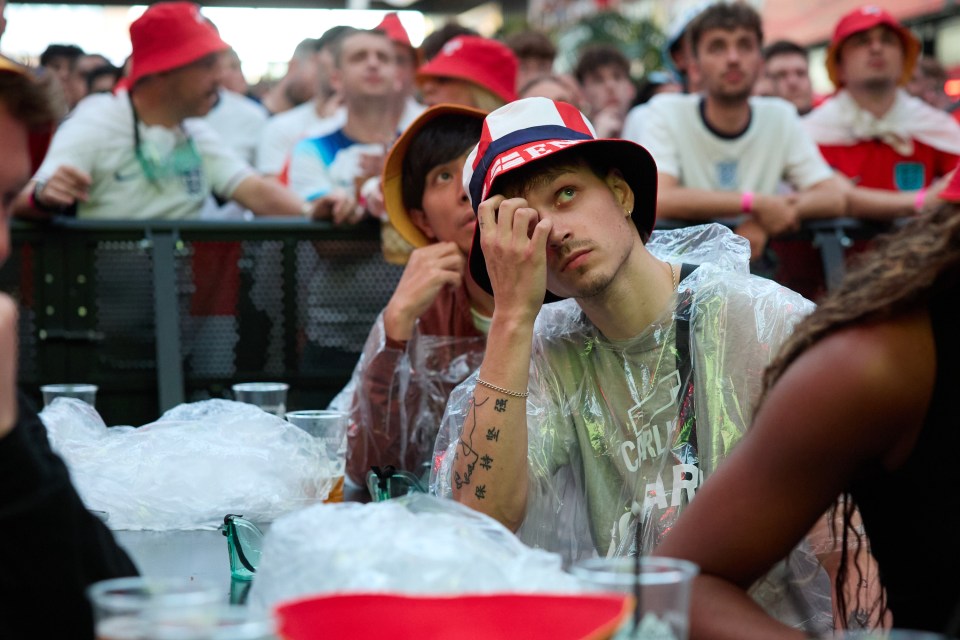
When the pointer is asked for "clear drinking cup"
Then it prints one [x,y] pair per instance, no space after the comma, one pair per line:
[85,392]
[331,427]
[144,608]
[663,607]
[269,396]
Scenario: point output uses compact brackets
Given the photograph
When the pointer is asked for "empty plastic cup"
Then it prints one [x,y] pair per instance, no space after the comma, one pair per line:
[146,608]
[663,610]
[85,392]
[269,396]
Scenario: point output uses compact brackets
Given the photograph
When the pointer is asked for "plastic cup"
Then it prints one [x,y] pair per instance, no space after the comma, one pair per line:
[142,608]
[269,396]
[331,427]
[663,610]
[85,392]
[241,622]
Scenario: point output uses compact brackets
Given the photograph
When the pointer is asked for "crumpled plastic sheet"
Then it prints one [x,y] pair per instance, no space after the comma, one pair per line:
[197,463]
[417,544]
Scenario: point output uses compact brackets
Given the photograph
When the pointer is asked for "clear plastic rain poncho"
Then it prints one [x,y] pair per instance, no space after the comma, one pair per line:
[397,394]
[622,433]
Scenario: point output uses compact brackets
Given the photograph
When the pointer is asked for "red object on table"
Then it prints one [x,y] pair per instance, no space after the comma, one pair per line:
[469,617]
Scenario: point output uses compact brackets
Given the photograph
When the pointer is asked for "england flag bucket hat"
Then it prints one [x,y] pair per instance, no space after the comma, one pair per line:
[528,130]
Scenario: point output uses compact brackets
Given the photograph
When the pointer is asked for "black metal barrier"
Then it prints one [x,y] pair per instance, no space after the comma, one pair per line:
[161,312]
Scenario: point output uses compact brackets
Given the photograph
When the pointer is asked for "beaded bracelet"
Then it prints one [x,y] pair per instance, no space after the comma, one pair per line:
[506,392]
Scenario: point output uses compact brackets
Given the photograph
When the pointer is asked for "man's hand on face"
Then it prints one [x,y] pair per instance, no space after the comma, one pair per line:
[8,364]
[776,214]
[429,270]
[514,241]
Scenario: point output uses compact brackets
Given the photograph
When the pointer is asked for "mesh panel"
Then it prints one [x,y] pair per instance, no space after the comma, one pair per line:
[235,300]
[124,304]
[341,287]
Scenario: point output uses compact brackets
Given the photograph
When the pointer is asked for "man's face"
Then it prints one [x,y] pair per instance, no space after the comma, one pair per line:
[367,66]
[231,73]
[14,172]
[446,215]
[61,67]
[789,77]
[550,87]
[728,62]
[193,89]
[592,234]
[435,90]
[406,61]
[608,87]
[532,67]
[871,59]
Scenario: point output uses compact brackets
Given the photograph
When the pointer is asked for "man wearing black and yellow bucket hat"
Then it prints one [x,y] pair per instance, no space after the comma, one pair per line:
[431,334]
[53,547]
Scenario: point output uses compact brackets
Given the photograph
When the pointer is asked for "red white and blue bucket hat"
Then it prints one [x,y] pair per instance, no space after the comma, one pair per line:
[531,129]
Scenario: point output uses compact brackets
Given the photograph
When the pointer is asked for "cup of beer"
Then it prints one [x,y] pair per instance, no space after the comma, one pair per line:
[331,428]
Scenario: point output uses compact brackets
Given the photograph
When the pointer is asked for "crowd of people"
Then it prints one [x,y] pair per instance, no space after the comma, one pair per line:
[577,344]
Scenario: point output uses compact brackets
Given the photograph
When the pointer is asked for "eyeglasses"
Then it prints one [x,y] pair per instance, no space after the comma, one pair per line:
[244,542]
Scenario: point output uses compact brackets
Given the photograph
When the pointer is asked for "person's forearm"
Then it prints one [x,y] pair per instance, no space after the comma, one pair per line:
[863,202]
[720,610]
[490,468]
[680,203]
[267,197]
[821,203]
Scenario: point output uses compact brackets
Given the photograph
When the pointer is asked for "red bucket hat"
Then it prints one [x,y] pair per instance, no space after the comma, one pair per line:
[531,129]
[863,19]
[170,35]
[482,61]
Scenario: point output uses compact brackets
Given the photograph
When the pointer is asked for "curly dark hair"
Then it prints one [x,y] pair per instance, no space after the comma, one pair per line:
[906,269]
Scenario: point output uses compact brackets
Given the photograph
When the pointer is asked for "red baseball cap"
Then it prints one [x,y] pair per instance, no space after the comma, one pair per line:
[391,26]
[482,61]
[865,18]
[951,192]
[528,130]
[170,35]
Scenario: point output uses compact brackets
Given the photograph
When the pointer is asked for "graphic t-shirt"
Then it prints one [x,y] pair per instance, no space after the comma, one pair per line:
[627,436]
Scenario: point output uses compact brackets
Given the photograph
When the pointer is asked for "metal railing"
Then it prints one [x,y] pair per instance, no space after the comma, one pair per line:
[161,312]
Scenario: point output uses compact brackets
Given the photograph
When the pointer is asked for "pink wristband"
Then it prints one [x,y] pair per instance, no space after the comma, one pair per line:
[918,200]
[746,202]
